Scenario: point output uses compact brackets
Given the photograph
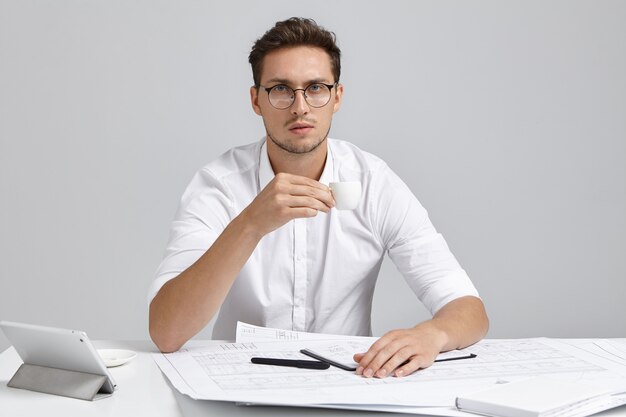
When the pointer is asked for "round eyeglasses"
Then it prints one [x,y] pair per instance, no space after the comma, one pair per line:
[282,96]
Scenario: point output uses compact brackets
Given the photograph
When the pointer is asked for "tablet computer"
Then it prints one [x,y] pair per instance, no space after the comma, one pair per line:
[52,347]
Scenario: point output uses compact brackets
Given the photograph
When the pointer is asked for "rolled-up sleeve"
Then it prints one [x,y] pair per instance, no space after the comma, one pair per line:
[204,212]
[419,252]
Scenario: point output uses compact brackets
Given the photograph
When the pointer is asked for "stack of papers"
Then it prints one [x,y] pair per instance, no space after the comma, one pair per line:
[224,372]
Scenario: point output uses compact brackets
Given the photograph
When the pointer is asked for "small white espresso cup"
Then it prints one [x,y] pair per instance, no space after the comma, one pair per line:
[346,194]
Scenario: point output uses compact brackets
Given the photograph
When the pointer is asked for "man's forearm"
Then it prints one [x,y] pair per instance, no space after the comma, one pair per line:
[464,322]
[185,304]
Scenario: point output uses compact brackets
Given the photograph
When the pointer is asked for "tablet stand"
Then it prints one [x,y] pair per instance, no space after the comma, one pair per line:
[55,381]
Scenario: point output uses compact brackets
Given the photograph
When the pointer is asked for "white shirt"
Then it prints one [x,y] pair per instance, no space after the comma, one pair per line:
[313,274]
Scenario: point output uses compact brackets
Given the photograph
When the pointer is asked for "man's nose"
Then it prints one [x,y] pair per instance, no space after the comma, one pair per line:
[299,105]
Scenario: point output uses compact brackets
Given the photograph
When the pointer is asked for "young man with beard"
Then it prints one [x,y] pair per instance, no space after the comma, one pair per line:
[257,236]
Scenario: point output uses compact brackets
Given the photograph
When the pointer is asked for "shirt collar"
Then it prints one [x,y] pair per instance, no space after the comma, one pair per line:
[266,173]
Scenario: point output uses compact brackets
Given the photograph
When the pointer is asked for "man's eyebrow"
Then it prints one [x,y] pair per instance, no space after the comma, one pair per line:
[289,82]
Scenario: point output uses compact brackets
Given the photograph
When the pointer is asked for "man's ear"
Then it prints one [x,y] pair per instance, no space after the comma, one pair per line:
[254,100]
[338,97]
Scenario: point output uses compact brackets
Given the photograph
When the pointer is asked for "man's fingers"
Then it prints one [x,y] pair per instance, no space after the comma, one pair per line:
[415,363]
[301,212]
[303,186]
[404,362]
[378,354]
[310,202]
[300,180]
[396,360]
[321,194]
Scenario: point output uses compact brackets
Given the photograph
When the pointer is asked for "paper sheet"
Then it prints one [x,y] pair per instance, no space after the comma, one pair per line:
[223,372]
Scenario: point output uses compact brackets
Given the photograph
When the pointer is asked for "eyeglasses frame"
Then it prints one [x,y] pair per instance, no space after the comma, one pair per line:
[329,86]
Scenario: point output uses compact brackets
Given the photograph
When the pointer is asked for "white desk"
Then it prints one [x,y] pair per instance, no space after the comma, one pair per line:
[144,391]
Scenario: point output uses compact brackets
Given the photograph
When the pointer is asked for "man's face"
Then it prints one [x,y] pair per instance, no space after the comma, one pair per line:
[299,128]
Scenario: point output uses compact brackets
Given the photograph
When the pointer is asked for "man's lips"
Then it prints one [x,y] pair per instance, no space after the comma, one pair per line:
[300,128]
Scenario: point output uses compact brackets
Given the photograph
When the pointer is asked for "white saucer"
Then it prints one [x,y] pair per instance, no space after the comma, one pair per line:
[116,357]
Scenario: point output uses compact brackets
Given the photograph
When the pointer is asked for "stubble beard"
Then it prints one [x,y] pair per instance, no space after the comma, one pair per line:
[297,148]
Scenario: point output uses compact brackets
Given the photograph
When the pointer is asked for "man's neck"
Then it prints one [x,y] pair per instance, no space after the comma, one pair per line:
[310,165]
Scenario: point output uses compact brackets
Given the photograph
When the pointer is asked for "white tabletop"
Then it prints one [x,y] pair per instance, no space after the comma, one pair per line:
[143,390]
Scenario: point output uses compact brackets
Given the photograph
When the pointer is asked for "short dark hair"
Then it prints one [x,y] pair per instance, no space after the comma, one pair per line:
[296,31]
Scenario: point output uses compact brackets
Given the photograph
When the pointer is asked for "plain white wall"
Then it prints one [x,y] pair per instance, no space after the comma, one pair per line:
[506,118]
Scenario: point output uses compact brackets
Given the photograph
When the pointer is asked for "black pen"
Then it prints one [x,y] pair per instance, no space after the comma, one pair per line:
[456,358]
[291,362]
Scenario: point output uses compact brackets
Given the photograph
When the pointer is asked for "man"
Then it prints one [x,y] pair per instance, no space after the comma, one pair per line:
[257,235]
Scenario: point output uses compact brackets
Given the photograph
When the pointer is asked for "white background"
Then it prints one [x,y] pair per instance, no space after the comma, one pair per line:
[507,119]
